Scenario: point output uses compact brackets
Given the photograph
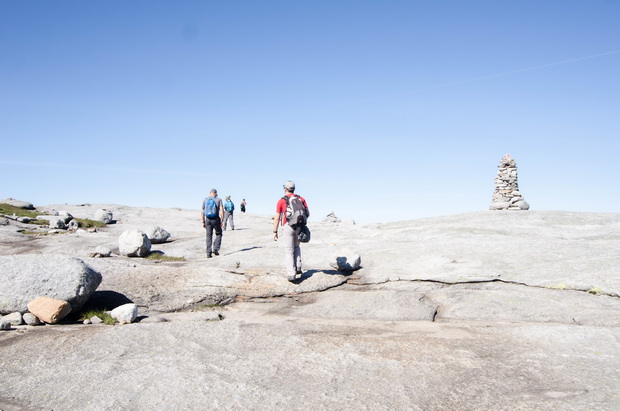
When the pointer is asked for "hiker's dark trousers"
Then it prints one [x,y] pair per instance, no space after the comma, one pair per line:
[212,224]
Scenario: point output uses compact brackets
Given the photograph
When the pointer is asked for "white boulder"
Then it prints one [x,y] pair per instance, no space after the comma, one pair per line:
[134,243]
[125,314]
[104,216]
[157,234]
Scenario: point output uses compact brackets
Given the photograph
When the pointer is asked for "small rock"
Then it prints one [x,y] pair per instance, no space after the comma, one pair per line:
[4,221]
[14,318]
[346,261]
[5,325]
[155,319]
[101,252]
[95,320]
[86,322]
[31,319]
[125,314]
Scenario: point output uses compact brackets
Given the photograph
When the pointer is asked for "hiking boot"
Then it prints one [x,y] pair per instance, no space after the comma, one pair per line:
[299,271]
[216,252]
[209,256]
[291,278]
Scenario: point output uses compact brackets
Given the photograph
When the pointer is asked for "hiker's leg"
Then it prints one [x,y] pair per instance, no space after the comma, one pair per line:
[225,219]
[218,234]
[288,243]
[297,250]
[232,221]
[209,228]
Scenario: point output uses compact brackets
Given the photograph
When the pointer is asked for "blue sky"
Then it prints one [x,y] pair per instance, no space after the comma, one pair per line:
[378,110]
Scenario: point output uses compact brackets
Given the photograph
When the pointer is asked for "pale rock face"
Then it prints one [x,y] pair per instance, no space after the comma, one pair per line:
[49,310]
[125,314]
[18,203]
[134,243]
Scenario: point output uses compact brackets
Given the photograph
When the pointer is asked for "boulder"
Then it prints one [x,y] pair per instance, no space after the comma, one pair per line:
[499,205]
[31,319]
[157,235]
[104,216]
[101,252]
[14,318]
[74,225]
[346,260]
[4,221]
[18,203]
[26,277]
[134,243]
[57,223]
[48,309]
[125,314]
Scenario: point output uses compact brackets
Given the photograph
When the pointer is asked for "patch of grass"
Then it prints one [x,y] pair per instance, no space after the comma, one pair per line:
[86,223]
[158,256]
[39,222]
[88,314]
[595,291]
[8,209]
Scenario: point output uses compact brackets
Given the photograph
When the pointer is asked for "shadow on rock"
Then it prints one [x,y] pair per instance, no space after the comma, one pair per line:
[105,300]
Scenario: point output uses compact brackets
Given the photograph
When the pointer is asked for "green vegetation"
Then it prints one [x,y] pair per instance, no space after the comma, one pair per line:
[88,314]
[86,223]
[159,256]
[8,209]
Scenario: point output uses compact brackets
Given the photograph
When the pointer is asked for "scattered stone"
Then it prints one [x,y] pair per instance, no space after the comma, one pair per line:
[49,310]
[26,277]
[348,221]
[86,322]
[14,318]
[346,260]
[24,220]
[125,314]
[18,203]
[134,243]
[74,225]
[507,195]
[101,252]
[95,320]
[5,325]
[4,221]
[31,319]
[57,223]
[157,235]
[104,216]
[331,218]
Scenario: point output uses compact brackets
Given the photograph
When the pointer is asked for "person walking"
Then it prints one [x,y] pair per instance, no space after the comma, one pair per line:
[243,204]
[290,234]
[212,216]
[229,208]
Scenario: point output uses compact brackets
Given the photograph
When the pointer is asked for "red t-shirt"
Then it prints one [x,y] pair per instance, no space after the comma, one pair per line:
[281,207]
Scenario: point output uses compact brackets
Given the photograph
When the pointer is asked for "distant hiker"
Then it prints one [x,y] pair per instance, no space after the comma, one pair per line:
[291,213]
[243,204]
[229,208]
[212,216]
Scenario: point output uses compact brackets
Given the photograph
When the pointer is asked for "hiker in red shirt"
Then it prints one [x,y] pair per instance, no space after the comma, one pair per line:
[290,235]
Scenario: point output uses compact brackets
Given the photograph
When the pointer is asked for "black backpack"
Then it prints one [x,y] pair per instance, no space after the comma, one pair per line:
[296,211]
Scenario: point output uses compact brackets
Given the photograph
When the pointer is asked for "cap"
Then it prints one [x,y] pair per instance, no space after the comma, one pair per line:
[213,190]
[289,185]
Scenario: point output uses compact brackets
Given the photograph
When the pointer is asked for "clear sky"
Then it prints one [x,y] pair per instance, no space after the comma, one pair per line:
[378,110]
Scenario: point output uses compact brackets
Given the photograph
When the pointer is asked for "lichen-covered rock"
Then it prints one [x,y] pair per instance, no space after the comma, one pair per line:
[26,277]
[134,243]
[14,318]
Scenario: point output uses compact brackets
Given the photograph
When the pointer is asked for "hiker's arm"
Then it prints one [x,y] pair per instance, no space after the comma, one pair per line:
[276,223]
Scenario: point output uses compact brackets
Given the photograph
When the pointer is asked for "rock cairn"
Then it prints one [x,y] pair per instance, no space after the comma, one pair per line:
[507,195]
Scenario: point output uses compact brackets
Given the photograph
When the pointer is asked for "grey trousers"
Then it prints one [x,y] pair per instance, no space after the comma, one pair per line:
[292,251]
[229,215]
[212,224]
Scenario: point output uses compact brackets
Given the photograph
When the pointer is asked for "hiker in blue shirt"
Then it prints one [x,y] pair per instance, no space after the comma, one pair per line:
[229,207]
[212,216]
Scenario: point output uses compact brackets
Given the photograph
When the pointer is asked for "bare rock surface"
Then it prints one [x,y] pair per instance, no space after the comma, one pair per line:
[475,311]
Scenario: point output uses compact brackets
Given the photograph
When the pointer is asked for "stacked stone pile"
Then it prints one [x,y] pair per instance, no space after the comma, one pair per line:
[507,195]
